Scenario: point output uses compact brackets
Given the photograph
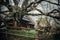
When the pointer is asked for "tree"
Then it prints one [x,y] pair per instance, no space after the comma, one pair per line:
[22,7]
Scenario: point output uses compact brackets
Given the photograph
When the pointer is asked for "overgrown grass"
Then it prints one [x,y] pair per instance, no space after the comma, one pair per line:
[30,33]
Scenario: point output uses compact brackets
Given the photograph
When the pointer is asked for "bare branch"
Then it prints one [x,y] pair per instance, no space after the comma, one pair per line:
[47,14]
[52,3]
[33,3]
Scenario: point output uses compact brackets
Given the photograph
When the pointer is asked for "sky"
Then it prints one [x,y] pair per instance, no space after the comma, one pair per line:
[43,6]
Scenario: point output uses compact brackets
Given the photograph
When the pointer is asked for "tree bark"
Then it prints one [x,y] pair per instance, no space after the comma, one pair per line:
[36,30]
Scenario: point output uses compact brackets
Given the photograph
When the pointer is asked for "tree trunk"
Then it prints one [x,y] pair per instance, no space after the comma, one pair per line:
[36,30]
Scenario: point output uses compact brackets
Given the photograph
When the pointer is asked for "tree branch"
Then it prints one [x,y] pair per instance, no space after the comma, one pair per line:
[52,3]
[46,14]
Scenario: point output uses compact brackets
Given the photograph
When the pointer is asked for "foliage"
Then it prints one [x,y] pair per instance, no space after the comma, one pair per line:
[29,33]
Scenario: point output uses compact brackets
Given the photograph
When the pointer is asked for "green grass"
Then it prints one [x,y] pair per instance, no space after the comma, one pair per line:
[30,33]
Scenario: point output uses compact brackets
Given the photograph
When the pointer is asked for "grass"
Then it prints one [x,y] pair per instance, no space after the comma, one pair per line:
[30,33]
